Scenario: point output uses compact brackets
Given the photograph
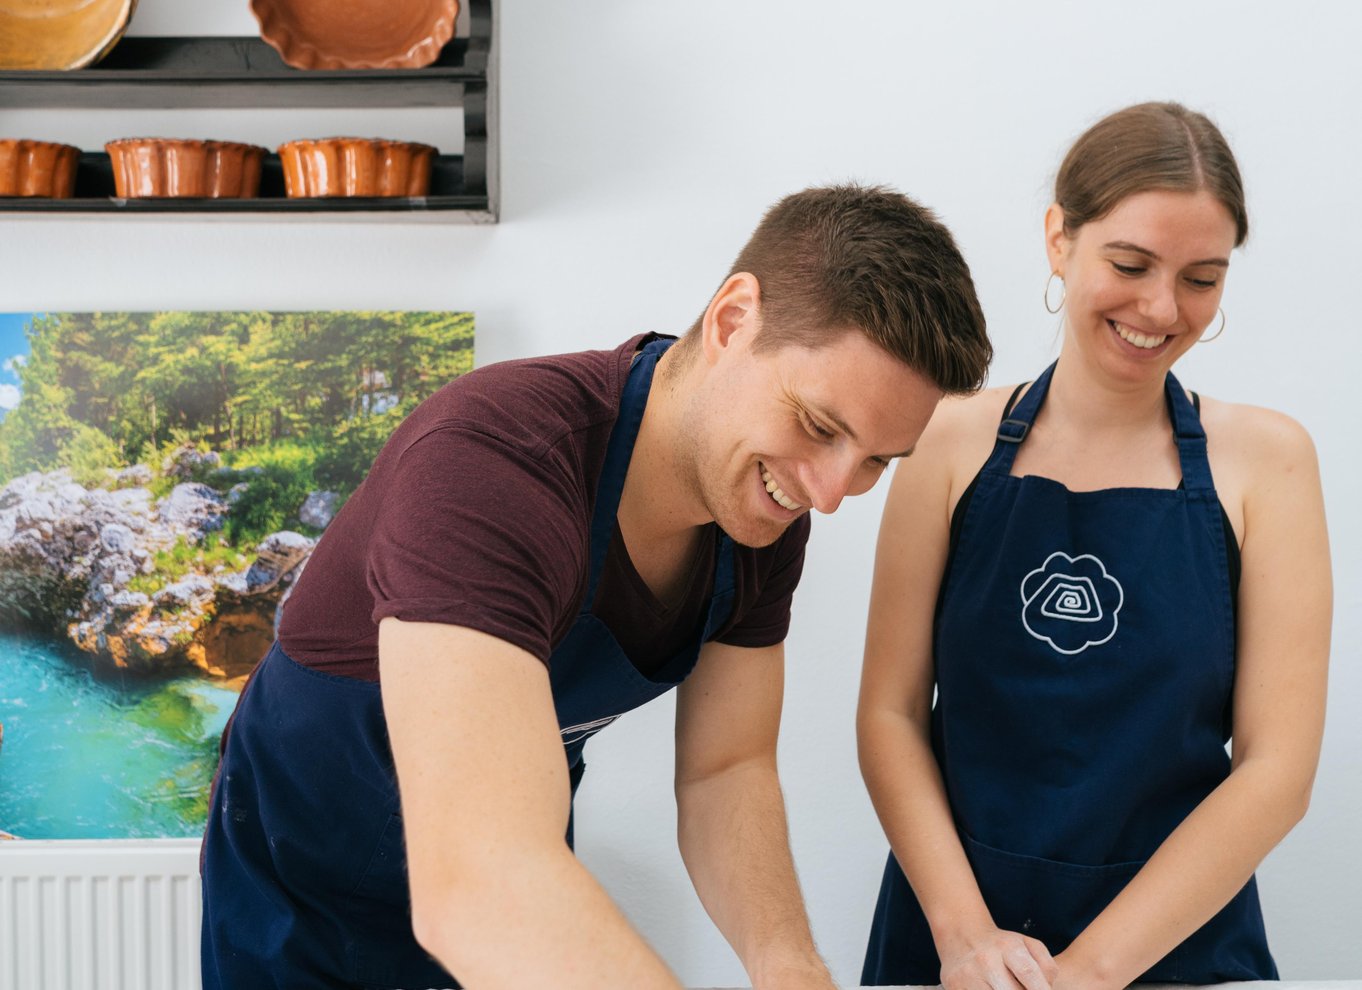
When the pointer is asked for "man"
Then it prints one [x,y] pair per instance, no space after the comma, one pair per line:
[540,547]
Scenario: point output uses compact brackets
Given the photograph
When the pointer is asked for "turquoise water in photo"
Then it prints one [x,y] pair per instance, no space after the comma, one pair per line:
[89,756]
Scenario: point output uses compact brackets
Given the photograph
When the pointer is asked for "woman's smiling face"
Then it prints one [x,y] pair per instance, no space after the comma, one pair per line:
[1143,282]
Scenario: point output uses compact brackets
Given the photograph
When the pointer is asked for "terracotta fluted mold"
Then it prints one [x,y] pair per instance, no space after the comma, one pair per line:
[356,34]
[37,168]
[60,34]
[153,167]
[356,167]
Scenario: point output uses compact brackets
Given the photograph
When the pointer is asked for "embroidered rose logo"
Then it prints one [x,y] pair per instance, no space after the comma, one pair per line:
[1071,602]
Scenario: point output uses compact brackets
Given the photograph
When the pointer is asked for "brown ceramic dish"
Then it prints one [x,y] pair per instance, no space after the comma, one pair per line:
[356,34]
[356,167]
[37,168]
[60,34]
[152,167]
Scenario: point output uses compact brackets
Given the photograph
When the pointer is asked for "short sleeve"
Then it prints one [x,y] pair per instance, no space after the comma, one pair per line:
[481,532]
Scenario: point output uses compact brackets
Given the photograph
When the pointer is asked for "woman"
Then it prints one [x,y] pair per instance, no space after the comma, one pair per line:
[1133,571]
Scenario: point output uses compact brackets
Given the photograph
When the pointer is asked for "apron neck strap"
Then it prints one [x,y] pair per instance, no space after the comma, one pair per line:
[618,454]
[1190,437]
[1187,431]
[1016,423]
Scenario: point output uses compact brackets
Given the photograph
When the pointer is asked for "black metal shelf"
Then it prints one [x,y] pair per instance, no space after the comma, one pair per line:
[231,73]
[166,73]
[95,193]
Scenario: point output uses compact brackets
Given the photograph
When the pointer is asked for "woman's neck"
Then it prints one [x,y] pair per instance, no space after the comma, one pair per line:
[1082,396]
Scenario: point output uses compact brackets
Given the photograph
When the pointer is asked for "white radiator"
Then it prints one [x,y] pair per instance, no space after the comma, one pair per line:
[99,915]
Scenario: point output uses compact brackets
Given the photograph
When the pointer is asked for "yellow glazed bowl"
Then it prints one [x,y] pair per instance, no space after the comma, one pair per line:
[60,34]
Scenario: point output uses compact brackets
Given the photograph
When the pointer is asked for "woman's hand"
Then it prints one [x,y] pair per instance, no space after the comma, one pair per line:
[995,959]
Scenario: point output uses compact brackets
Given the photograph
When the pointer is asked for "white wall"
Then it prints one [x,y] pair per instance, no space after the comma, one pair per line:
[641,141]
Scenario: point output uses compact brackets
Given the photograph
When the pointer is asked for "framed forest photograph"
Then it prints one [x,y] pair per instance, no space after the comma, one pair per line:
[164,477]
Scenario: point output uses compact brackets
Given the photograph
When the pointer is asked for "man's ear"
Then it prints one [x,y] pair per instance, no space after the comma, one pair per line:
[732,317]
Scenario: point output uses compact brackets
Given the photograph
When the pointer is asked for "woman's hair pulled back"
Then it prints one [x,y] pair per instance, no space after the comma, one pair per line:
[1144,147]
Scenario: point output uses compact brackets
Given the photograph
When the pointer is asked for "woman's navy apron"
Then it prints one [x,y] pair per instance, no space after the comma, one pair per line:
[304,865]
[1084,648]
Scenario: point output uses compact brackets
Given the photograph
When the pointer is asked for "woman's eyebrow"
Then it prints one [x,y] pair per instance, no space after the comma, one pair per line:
[1127,246]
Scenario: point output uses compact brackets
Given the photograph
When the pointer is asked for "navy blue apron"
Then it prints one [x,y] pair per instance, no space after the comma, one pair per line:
[304,865]
[1084,648]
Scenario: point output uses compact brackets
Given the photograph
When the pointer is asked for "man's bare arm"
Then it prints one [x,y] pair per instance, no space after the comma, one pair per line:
[497,896]
[731,814]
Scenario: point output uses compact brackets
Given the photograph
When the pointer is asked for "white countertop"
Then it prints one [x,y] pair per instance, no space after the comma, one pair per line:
[1283,985]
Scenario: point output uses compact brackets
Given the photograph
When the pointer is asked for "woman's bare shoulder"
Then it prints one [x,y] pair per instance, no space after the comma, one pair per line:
[970,417]
[1261,458]
[960,435]
[1256,436]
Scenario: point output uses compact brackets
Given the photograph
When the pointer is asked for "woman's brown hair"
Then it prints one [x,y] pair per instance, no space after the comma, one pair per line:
[1143,147]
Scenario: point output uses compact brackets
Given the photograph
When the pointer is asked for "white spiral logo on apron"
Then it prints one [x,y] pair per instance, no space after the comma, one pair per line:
[1071,602]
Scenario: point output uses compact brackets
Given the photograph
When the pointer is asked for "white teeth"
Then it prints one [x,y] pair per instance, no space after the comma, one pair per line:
[773,489]
[1137,338]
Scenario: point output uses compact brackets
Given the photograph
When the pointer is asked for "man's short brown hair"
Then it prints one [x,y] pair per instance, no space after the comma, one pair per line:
[836,258]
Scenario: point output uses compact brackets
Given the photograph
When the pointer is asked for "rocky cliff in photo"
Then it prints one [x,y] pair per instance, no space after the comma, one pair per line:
[124,576]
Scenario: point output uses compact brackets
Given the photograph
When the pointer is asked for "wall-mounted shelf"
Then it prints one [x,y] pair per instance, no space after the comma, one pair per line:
[176,73]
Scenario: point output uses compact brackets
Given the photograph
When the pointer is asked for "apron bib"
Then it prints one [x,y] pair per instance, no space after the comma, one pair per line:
[303,853]
[1084,646]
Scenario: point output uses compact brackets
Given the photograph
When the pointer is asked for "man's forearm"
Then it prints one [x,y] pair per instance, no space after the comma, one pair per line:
[541,920]
[496,895]
[733,838]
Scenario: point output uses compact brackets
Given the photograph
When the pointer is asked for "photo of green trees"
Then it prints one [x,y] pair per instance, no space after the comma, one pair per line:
[163,478]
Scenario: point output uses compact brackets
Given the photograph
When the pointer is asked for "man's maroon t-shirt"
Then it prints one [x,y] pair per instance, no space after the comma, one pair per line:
[477,513]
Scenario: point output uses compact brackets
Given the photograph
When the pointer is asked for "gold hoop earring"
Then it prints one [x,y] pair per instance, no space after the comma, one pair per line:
[1218,330]
[1063,293]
